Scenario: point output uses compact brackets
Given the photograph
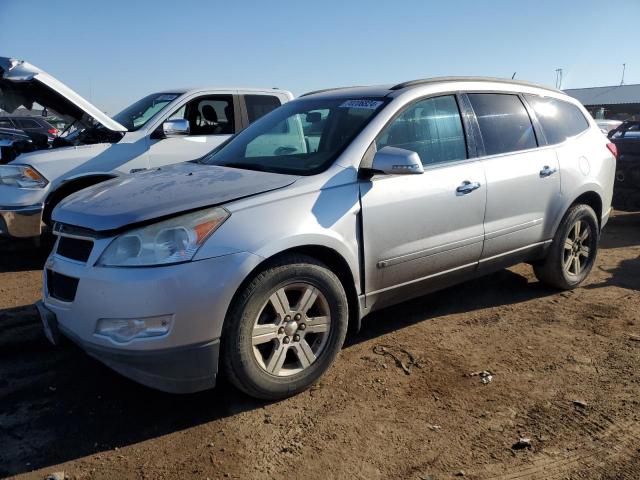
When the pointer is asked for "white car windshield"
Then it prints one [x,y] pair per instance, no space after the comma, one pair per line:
[138,114]
[302,137]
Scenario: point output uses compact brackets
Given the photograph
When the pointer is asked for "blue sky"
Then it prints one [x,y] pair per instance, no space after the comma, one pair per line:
[117,51]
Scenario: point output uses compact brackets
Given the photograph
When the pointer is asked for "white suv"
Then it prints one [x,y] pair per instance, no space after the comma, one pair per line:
[160,129]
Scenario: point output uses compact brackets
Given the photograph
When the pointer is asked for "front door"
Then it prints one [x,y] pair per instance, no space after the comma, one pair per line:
[416,228]
[212,120]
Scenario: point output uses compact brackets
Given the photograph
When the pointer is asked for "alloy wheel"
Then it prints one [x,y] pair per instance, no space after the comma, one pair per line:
[577,250]
[291,330]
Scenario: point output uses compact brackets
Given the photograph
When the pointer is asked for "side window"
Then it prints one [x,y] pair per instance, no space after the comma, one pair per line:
[213,115]
[179,114]
[560,120]
[27,123]
[504,123]
[6,123]
[260,105]
[432,128]
[210,115]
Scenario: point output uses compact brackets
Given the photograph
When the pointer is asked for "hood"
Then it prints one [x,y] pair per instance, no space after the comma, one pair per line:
[65,161]
[158,193]
[22,84]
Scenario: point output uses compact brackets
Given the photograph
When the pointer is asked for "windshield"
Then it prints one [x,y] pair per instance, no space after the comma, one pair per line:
[302,137]
[135,116]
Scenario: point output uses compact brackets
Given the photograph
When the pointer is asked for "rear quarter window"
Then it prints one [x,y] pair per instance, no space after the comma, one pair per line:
[260,105]
[559,120]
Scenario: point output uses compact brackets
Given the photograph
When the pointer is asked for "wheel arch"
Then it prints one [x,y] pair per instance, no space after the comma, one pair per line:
[70,186]
[589,195]
[326,255]
[594,200]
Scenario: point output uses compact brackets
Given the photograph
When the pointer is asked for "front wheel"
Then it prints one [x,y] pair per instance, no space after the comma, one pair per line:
[286,329]
[573,250]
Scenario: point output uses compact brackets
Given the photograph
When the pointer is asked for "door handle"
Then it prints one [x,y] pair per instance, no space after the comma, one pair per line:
[547,172]
[467,187]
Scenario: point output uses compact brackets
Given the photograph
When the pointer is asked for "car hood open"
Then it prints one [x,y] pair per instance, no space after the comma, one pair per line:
[144,196]
[23,84]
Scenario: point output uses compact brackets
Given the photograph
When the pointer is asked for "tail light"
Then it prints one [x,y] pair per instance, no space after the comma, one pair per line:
[613,149]
[52,131]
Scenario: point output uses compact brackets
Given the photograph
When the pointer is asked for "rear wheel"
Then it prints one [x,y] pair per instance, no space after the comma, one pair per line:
[286,329]
[573,250]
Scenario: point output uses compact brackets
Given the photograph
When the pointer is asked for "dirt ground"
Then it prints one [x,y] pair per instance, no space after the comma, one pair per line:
[565,369]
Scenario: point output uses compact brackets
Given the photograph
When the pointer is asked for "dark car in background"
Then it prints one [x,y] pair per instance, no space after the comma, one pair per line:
[13,142]
[626,138]
[29,124]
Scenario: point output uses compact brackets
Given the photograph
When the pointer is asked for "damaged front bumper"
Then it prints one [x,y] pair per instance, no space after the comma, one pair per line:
[21,222]
[79,297]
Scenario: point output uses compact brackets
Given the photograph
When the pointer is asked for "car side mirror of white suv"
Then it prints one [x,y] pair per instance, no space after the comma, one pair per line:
[396,161]
[175,127]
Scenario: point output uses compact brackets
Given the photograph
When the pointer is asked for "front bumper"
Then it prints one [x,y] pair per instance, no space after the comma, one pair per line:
[21,222]
[174,370]
[196,294]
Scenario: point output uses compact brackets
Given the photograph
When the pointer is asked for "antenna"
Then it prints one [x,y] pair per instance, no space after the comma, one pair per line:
[624,67]
[514,75]
[559,78]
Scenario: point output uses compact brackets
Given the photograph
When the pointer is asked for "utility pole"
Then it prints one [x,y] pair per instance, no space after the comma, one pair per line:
[559,78]
[624,67]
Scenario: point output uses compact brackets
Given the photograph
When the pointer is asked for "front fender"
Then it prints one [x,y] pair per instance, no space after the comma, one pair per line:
[327,218]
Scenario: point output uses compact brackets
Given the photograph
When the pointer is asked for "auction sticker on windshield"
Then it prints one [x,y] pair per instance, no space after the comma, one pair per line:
[362,103]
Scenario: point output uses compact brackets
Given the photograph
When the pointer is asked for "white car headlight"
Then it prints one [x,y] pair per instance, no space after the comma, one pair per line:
[171,241]
[22,176]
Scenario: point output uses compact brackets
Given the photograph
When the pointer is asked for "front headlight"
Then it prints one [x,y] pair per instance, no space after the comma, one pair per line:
[172,241]
[21,176]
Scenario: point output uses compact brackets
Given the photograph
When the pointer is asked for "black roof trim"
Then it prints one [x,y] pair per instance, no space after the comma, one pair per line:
[313,92]
[428,81]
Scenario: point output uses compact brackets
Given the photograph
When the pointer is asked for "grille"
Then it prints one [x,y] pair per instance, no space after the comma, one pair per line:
[61,287]
[75,248]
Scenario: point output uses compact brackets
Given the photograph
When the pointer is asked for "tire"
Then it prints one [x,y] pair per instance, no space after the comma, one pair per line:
[559,269]
[291,352]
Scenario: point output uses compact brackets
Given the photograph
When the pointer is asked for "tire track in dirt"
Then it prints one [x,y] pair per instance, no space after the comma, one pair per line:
[612,443]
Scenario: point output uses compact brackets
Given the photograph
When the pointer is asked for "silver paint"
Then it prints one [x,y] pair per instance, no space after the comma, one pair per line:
[399,236]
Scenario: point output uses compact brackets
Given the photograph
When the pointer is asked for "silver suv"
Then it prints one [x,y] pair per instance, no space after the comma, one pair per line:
[253,260]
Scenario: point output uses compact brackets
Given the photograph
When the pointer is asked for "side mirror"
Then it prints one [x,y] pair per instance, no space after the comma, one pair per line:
[396,161]
[175,127]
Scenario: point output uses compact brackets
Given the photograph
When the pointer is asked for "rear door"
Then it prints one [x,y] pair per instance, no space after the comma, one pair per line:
[523,180]
[418,227]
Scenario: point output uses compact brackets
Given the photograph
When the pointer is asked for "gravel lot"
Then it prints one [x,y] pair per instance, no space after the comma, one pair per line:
[565,375]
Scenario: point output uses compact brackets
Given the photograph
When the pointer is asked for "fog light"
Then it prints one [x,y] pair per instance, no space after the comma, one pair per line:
[125,329]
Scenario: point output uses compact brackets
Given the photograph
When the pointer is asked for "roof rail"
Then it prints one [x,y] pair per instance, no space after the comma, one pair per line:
[427,81]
